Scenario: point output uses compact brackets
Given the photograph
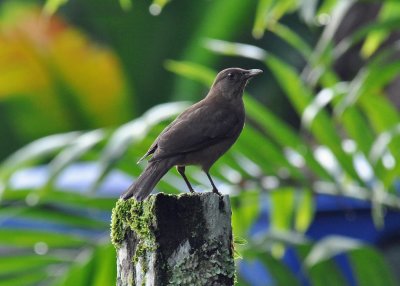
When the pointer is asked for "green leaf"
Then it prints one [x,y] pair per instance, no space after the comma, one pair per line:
[359,35]
[282,208]
[387,162]
[292,38]
[74,151]
[266,241]
[229,162]
[300,96]
[372,79]
[26,279]
[240,281]
[64,198]
[105,270]
[382,142]
[328,247]
[320,101]
[131,133]
[380,111]
[245,209]
[305,210]
[384,119]
[326,273]
[126,5]
[269,12]
[321,57]
[80,272]
[28,238]
[353,120]
[271,156]
[282,133]
[52,6]
[280,273]
[307,10]
[239,240]
[192,71]
[235,49]
[327,6]
[34,152]
[389,10]
[157,6]
[31,263]
[370,268]
[56,215]
[358,128]
[261,18]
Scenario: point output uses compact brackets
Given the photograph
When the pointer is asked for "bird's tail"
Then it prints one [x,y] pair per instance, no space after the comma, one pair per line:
[148,180]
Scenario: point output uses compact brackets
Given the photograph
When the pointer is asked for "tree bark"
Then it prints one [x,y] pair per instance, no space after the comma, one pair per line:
[174,240]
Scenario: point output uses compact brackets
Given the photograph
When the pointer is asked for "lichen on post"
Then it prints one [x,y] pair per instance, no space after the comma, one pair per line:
[174,240]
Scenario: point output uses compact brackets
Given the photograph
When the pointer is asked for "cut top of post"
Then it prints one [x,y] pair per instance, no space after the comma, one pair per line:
[174,240]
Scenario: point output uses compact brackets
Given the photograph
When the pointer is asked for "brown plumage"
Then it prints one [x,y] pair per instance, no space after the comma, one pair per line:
[198,136]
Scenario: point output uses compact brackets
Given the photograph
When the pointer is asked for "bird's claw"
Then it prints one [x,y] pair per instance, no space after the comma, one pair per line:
[215,191]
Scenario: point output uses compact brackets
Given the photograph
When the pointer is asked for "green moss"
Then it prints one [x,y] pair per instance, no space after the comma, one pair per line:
[131,215]
[212,263]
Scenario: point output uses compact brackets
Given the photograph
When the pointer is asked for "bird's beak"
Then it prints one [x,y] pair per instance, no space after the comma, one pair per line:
[253,72]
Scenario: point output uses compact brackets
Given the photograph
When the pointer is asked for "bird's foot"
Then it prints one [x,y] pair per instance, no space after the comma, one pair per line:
[215,191]
[191,190]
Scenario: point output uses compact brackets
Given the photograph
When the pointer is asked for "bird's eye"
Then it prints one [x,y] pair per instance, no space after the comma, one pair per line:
[230,75]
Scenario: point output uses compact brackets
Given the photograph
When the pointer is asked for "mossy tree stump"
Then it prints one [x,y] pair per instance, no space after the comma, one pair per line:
[174,240]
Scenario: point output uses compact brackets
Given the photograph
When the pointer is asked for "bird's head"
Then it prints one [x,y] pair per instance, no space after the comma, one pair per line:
[232,81]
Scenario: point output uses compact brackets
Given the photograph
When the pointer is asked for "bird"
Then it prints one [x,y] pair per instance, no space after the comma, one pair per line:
[199,136]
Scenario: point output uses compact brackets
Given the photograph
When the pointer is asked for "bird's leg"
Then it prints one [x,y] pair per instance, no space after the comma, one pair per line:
[181,170]
[215,190]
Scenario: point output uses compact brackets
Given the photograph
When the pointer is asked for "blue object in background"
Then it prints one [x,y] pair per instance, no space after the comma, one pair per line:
[76,178]
[334,215]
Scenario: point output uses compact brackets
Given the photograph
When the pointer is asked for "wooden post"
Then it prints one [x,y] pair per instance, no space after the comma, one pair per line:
[174,240]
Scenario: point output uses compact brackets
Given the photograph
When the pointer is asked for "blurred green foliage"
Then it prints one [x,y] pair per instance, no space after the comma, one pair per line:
[310,129]
[53,78]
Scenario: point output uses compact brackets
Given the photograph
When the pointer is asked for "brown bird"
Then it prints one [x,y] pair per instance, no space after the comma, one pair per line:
[198,136]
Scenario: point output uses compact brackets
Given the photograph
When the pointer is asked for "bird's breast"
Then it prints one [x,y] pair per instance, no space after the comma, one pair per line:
[206,157]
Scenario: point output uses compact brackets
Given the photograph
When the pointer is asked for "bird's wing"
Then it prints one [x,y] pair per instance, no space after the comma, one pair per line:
[154,145]
[195,129]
